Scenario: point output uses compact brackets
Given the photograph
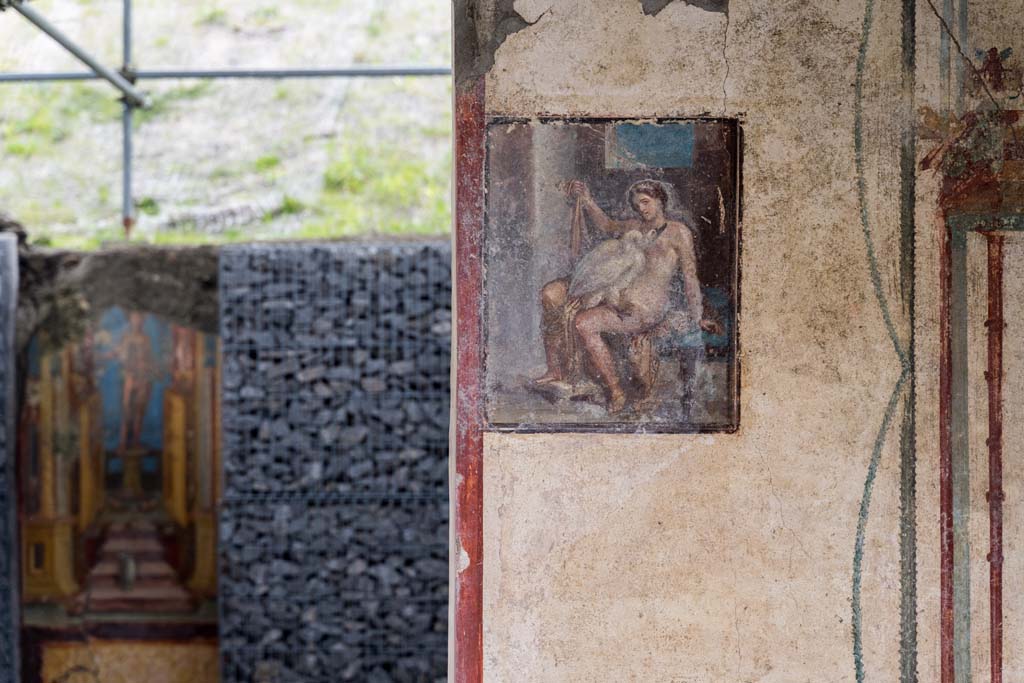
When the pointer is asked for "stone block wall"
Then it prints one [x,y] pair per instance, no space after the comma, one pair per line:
[334,524]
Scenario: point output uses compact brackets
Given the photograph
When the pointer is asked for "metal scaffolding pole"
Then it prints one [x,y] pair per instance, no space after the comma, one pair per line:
[42,77]
[114,78]
[160,74]
[127,120]
[350,72]
[127,205]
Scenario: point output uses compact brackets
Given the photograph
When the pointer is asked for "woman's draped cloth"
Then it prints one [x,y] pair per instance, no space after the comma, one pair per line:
[573,352]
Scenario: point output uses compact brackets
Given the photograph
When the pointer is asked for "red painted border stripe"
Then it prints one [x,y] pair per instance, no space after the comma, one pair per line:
[469,517]
[994,375]
[945,455]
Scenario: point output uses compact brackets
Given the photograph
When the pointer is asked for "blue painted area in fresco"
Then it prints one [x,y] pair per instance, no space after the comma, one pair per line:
[668,145]
[34,357]
[718,300]
[210,351]
[111,378]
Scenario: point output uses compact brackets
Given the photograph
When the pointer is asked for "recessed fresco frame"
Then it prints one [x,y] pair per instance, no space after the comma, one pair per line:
[529,426]
[954,473]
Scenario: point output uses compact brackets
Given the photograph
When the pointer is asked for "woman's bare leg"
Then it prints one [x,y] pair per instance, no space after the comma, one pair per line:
[642,363]
[590,325]
[553,298]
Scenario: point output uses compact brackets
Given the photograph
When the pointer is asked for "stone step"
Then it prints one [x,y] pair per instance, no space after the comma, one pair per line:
[161,598]
[137,528]
[132,546]
[156,586]
[114,582]
[144,569]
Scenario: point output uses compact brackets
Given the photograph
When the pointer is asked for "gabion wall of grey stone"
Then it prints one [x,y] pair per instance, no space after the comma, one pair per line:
[334,524]
[9,580]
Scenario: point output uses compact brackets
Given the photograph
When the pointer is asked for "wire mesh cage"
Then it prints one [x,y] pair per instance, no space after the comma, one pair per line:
[334,521]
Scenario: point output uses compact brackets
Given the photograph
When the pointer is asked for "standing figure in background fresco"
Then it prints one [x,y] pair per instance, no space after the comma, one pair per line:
[135,353]
[623,286]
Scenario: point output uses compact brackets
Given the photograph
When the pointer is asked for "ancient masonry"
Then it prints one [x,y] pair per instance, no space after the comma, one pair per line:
[334,528]
[8,540]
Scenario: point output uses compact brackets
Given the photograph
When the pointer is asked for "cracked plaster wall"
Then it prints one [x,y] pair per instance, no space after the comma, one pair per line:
[698,558]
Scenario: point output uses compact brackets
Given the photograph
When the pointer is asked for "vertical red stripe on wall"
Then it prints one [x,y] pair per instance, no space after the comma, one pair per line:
[469,225]
[994,375]
[945,454]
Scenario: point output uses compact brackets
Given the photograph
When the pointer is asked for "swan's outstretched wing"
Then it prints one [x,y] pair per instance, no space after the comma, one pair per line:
[613,263]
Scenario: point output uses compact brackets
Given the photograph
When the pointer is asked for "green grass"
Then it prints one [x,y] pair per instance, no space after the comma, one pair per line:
[37,121]
[190,236]
[21,147]
[161,103]
[265,17]
[214,16]
[351,170]
[267,163]
[378,22]
[35,134]
[95,104]
[81,242]
[291,205]
[225,172]
[40,122]
[36,213]
[148,206]
[381,189]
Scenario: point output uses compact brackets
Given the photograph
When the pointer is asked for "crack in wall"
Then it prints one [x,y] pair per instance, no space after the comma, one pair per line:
[725,58]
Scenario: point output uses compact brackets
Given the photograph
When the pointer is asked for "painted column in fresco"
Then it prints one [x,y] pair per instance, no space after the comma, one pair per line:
[48,529]
[204,574]
[9,664]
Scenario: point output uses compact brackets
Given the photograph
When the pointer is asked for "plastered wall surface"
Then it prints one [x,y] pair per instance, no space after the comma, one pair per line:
[1014,440]
[719,557]
[731,557]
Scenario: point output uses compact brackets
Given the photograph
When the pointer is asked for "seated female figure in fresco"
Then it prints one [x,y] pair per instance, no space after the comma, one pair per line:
[619,293]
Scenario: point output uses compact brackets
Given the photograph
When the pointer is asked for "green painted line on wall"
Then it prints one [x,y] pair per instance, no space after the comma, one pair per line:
[908,431]
[960,447]
[862,522]
[865,218]
[906,374]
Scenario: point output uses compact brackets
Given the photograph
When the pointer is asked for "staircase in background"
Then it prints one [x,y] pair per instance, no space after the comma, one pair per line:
[155,587]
